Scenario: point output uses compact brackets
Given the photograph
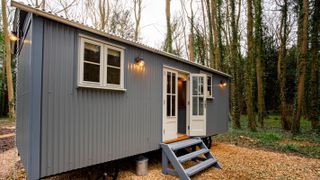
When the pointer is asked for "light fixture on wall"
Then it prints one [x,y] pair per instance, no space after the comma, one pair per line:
[13,37]
[139,61]
[223,83]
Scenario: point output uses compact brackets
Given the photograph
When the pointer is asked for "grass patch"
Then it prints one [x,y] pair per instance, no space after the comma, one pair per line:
[272,137]
[267,137]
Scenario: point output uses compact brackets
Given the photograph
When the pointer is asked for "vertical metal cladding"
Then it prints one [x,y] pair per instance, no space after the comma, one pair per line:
[83,126]
[23,99]
[218,107]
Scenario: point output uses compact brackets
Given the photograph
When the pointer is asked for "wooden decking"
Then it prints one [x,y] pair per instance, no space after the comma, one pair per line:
[179,138]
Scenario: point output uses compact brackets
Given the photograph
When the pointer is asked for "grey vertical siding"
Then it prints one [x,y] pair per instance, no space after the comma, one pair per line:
[29,98]
[23,98]
[36,84]
[81,126]
[218,108]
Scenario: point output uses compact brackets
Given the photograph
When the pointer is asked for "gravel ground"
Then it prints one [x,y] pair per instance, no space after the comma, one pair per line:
[244,163]
[8,162]
[237,163]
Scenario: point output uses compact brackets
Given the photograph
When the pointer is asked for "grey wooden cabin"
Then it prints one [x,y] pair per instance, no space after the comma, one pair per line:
[86,97]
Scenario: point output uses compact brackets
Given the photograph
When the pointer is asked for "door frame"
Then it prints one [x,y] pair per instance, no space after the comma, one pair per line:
[164,115]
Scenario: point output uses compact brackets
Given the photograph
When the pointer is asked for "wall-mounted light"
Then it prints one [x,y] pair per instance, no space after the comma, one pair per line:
[223,83]
[139,61]
[27,41]
[13,37]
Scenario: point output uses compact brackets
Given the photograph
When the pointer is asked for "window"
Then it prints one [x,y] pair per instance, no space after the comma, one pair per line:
[198,97]
[91,62]
[171,94]
[209,86]
[100,65]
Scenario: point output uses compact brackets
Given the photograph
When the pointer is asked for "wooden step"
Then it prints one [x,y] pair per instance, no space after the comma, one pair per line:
[183,144]
[201,166]
[192,155]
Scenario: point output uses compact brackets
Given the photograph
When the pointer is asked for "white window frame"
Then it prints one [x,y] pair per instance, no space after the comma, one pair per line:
[104,46]
[208,75]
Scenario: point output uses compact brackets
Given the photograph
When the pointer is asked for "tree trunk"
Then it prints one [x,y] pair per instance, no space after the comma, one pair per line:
[219,24]
[205,32]
[190,48]
[281,67]
[250,68]
[215,33]
[137,16]
[301,64]
[191,36]
[7,59]
[211,45]
[235,90]
[259,68]
[314,115]
[102,11]
[168,41]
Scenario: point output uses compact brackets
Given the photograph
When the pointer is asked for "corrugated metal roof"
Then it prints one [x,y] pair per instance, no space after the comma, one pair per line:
[77,24]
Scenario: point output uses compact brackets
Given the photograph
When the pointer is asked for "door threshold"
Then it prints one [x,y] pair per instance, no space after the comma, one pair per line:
[179,138]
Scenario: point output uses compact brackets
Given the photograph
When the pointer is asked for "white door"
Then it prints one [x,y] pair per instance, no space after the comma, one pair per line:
[170,119]
[198,105]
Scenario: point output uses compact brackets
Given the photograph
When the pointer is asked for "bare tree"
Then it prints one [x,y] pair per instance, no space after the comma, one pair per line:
[137,8]
[121,22]
[177,35]
[104,12]
[66,6]
[168,41]
[38,3]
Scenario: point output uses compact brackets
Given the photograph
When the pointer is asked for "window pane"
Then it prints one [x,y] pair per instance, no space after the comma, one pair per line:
[209,80]
[195,85]
[168,82]
[168,105]
[91,72]
[195,105]
[201,89]
[114,57]
[173,105]
[201,106]
[113,76]
[173,83]
[91,52]
[209,91]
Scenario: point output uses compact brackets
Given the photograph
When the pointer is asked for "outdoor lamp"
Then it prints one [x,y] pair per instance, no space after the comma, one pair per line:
[223,83]
[139,61]
[13,37]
